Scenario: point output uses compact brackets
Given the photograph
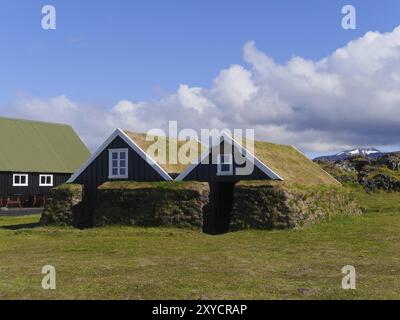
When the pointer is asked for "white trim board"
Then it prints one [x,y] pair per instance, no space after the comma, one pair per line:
[111,167]
[51,184]
[26,184]
[119,133]
[220,172]
[259,164]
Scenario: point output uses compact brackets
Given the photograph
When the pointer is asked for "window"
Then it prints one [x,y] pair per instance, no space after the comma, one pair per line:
[20,180]
[46,180]
[118,163]
[225,165]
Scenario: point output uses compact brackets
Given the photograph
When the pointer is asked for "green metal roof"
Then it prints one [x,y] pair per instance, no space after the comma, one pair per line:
[33,146]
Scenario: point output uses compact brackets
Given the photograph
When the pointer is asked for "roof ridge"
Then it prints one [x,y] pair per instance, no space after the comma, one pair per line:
[34,121]
[163,136]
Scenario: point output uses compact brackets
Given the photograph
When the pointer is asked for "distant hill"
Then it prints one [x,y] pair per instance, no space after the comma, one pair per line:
[363,152]
[370,168]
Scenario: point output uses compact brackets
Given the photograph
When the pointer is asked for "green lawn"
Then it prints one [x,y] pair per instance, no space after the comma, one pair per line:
[138,263]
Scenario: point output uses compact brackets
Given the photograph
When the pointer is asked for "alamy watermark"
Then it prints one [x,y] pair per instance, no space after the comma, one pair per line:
[349,280]
[349,21]
[49,280]
[188,147]
[49,19]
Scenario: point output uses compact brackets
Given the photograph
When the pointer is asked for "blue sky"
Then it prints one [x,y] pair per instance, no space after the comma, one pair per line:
[108,50]
[103,52]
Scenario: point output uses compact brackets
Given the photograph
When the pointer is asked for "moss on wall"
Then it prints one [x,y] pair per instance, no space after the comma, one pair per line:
[256,205]
[151,204]
[259,205]
[64,206]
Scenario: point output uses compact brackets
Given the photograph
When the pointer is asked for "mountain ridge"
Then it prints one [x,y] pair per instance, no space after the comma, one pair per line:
[369,152]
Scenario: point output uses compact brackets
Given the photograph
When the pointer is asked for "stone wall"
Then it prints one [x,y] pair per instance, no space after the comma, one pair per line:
[264,206]
[64,206]
[151,204]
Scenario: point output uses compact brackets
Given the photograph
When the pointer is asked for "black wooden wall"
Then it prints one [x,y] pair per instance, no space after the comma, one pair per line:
[207,172]
[33,188]
[97,172]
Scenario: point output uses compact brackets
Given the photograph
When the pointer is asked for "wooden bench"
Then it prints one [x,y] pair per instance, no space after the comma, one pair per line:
[13,201]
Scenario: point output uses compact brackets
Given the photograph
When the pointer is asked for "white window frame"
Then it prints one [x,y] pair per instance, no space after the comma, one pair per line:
[46,184]
[26,184]
[110,163]
[221,172]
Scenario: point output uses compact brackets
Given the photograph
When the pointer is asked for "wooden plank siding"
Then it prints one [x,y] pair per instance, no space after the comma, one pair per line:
[97,171]
[33,188]
[207,172]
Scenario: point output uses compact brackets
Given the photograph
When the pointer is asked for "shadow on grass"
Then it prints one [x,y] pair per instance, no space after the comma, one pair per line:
[21,226]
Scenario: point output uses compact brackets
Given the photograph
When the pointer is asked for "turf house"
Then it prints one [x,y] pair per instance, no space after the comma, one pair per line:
[121,183]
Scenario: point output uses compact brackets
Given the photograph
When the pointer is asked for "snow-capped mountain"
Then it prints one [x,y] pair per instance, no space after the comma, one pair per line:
[365,152]
[359,152]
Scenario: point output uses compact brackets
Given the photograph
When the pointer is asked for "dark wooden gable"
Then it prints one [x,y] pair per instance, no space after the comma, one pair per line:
[97,171]
[207,171]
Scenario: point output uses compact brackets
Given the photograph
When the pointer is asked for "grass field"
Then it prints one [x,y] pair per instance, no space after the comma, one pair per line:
[138,263]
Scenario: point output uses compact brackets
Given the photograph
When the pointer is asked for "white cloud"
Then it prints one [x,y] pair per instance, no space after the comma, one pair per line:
[348,98]
[193,98]
[233,87]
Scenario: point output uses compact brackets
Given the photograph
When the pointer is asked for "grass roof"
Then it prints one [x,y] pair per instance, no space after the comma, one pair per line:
[163,185]
[292,165]
[168,161]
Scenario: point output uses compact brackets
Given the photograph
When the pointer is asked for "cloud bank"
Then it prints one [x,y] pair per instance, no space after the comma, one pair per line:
[349,98]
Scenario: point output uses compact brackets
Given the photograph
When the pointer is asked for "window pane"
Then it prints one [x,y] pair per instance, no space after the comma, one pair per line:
[122,163]
[114,171]
[23,179]
[115,163]
[48,180]
[225,158]
[42,180]
[225,168]
[122,171]
[115,155]
[16,179]
[122,155]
